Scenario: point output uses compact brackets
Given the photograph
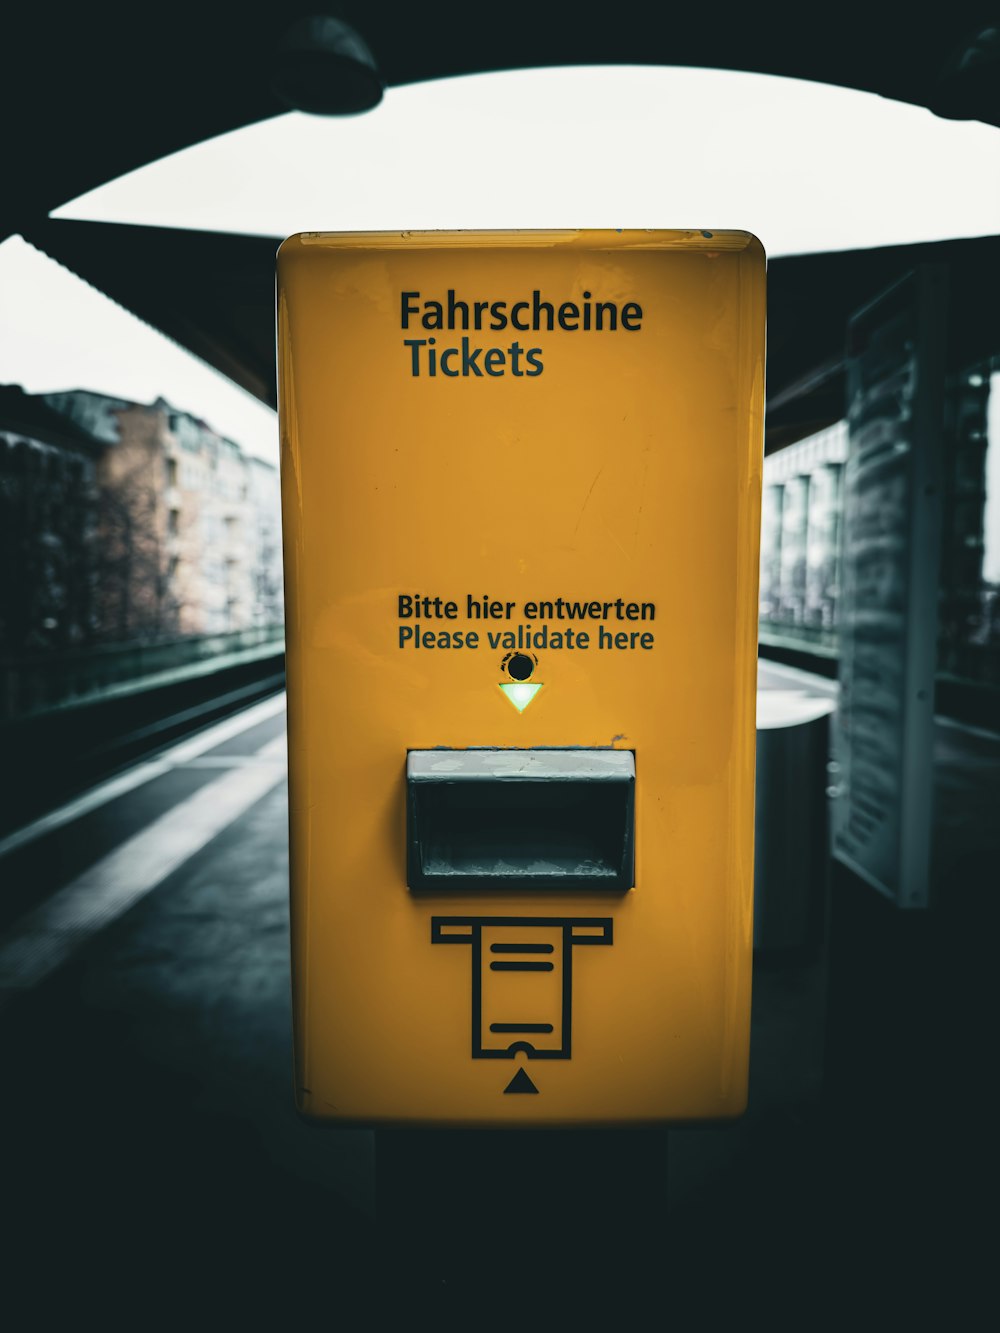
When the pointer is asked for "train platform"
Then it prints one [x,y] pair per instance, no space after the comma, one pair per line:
[156,1169]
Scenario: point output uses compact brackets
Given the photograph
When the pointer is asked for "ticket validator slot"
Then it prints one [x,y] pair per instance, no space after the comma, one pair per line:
[541,819]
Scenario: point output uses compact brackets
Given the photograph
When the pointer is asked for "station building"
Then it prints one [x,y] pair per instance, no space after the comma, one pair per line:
[155,525]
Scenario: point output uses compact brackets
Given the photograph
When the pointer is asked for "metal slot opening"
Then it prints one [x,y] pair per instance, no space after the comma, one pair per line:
[520,819]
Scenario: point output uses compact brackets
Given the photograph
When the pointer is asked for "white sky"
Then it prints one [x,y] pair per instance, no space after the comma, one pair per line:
[805,166]
[57,332]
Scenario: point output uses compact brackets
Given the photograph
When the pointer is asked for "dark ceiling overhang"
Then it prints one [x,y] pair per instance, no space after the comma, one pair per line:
[90,91]
[214,294]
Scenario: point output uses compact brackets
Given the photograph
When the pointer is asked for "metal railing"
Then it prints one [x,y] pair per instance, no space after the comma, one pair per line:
[33,684]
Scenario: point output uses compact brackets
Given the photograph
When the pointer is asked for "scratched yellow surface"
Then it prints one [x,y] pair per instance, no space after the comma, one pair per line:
[628,468]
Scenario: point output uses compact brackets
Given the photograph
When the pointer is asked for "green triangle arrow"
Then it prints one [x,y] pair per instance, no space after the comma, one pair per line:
[520,693]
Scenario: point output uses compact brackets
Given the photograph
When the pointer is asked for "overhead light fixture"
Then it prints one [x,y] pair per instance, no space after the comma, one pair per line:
[324,66]
[969,85]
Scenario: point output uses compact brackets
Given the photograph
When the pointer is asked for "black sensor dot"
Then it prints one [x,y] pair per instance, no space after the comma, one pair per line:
[520,666]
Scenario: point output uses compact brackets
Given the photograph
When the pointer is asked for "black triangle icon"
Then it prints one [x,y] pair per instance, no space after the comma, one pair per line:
[520,1083]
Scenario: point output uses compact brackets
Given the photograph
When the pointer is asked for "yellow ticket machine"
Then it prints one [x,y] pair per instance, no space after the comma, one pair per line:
[521,489]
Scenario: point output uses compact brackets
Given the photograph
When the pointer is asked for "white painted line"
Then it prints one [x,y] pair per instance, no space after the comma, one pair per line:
[218,761]
[43,939]
[181,753]
[82,805]
[225,730]
[276,749]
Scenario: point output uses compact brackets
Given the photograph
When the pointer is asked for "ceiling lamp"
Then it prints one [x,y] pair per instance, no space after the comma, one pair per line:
[969,86]
[324,66]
